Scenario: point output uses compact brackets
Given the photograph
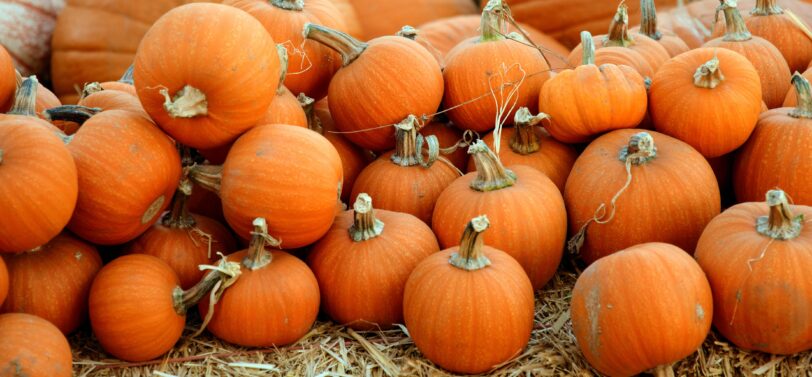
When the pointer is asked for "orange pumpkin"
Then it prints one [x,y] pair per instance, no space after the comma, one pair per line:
[273,303]
[614,94]
[206,96]
[95,96]
[774,155]
[682,23]
[791,99]
[708,82]
[769,21]
[648,27]
[350,17]
[452,298]
[8,80]
[381,82]
[285,107]
[641,308]
[659,190]
[124,84]
[487,76]
[53,281]
[740,252]
[3,281]
[368,255]
[32,346]
[519,201]
[380,18]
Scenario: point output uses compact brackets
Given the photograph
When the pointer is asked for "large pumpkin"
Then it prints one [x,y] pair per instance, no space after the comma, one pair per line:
[25,30]
[769,21]
[32,346]
[641,308]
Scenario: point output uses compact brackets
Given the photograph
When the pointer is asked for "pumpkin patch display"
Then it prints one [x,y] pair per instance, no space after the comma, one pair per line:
[32,346]
[648,27]
[770,21]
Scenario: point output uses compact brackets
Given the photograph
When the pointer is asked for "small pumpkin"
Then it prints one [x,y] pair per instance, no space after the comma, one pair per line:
[615,96]
[648,27]
[206,96]
[53,281]
[8,80]
[453,297]
[641,308]
[381,82]
[368,255]
[530,144]
[681,22]
[113,95]
[486,75]
[769,21]
[775,156]
[707,82]
[521,201]
[32,346]
[273,303]
[285,107]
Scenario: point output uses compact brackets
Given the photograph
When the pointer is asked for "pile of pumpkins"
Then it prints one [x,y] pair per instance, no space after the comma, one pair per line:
[618,152]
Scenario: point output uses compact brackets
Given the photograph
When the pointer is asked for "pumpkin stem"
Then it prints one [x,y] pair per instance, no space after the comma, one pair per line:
[349,47]
[492,24]
[25,99]
[1,156]
[780,224]
[491,174]
[709,75]
[71,113]
[283,67]
[208,177]
[297,5]
[313,121]
[648,23]
[90,88]
[588,46]
[804,107]
[127,77]
[736,30]
[366,226]
[409,145]
[525,140]
[469,257]
[408,32]
[766,8]
[178,217]
[641,149]
[619,28]
[258,256]
[225,273]
[188,102]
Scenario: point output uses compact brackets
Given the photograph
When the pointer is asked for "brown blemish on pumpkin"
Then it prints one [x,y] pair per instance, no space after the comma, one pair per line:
[78,255]
[593,309]
[153,209]
[700,312]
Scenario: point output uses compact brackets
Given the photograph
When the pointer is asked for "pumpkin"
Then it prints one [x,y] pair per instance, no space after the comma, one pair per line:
[206,203]
[649,53]
[529,144]
[25,29]
[3,281]
[707,82]
[123,84]
[290,174]
[312,64]
[128,170]
[628,188]
[351,22]
[285,108]
[772,69]
[521,201]
[614,94]
[381,82]
[452,298]
[486,76]
[38,189]
[648,27]
[404,180]
[641,308]
[769,21]
[273,303]
[791,99]
[32,346]
[379,18]
[185,240]
[53,281]
[740,250]
[684,25]
[137,308]
[8,80]
[451,140]
[774,157]
[363,262]
[208,95]
[110,99]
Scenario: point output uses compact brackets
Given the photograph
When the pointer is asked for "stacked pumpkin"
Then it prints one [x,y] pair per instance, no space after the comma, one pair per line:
[610,151]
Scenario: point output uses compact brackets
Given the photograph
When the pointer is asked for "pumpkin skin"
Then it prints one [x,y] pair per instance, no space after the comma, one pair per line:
[640,308]
[284,109]
[362,269]
[709,126]
[380,18]
[25,29]
[3,281]
[114,100]
[756,308]
[312,64]
[60,296]
[8,80]
[767,20]
[380,84]
[449,311]
[234,66]
[353,159]
[532,207]
[32,346]
[643,213]
[121,197]
[347,12]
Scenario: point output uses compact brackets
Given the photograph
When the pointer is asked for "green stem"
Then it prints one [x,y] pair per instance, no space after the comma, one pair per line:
[766,8]
[71,113]
[208,177]
[648,23]
[349,47]
[491,174]
[469,257]
[709,75]
[525,140]
[780,223]
[492,24]
[25,99]
[296,5]
[736,30]
[640,150]
[804,107]
[588,47]
[366,226]
[127,77]
[619,28]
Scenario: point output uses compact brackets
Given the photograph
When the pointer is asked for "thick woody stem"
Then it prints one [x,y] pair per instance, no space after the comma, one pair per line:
[491,174]
[492,24]
[525,140]
[71,113]
[297,5]
[25,99]
[619,28]
[258,256]
[766,8]
[348,47]
[208,177]
[588,46]
[641,149]
[365,226]
[804,107]
[709,75]
[736,30]
[469,257]
[780,224]
[283,64]
[648,23]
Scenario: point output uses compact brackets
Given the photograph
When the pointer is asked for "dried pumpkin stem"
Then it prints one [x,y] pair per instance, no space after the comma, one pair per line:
[491,174]
[408,32]
[283,67]
[492,24]
[709,75]
[734,23]
[188,102]
[349,47]
[297,5]
[178,216]
[766,8]
[469,257]
[25,99]
[71,113]
[779,224]
[588,46]
[258,256]
[127,77]
[91,88]
[208,177]
[1,156]
[648,22]
[619,28]
[409,145]
[640,150]
[804,107]
[308,106]
[183,300]
[525,140]
[365,226]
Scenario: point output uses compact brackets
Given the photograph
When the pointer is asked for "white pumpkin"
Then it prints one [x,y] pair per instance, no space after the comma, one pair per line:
[25,31]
